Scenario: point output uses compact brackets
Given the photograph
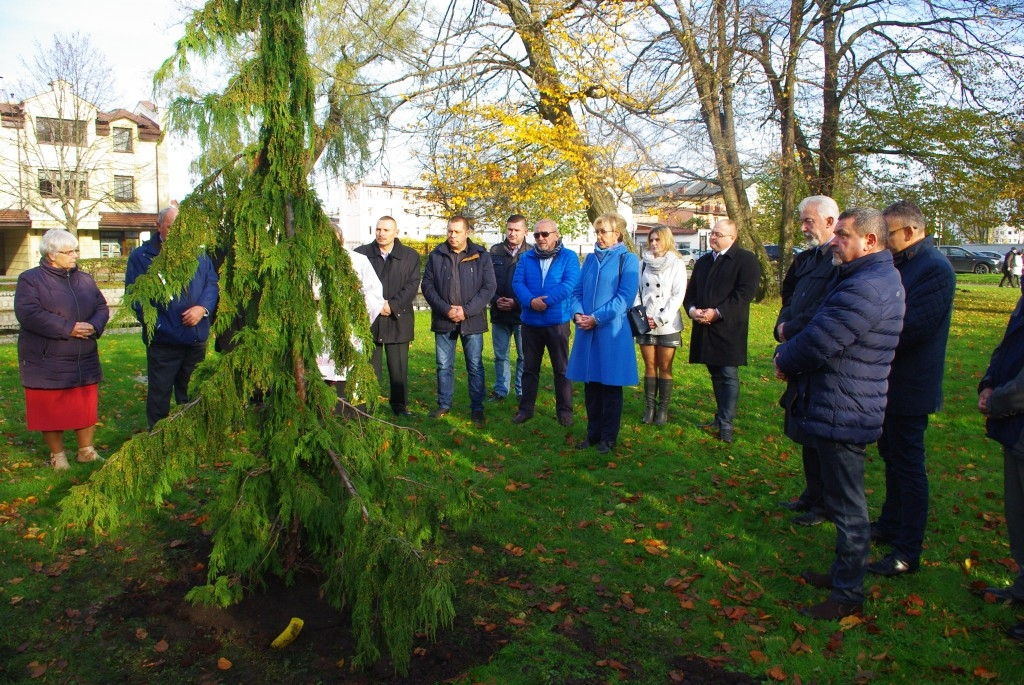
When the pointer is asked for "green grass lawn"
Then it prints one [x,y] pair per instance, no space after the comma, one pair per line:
[593,569]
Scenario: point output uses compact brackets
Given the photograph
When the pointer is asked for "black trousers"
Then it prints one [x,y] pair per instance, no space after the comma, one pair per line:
[554,339]
[169,368]
[604,412]
[398,371]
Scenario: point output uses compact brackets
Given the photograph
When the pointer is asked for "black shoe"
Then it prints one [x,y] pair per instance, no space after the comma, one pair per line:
[565,420]
[1000,594]
[520,417]
[439,412]
[880,536]
[477,418]
[1016,632]
[822,581]
[709,427]
[809,518]
[603,447]
[402,411]
[795,505]
[891,566]
[495,397]
[831,610]
[725,435]
[585,443]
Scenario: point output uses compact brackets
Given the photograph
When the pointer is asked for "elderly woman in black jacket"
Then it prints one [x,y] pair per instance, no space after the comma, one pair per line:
[62,313]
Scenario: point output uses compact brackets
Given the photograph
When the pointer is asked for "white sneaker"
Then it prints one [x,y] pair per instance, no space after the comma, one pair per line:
[59,461]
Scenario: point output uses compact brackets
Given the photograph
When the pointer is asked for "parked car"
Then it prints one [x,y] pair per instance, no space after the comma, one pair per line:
[964,261]
[689,257]
[773,252]
[988,253]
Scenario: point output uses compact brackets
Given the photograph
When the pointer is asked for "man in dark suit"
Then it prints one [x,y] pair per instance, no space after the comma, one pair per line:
[398,268]
[809,278]
[915,387]
[718,298]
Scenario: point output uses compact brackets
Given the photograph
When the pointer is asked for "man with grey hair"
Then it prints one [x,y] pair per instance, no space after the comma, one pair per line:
[840,363]
[809,278]
[177,344]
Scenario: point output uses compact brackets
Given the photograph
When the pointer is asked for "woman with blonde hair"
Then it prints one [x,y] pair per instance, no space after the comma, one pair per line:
[62,314]
[662,287]
[603,357]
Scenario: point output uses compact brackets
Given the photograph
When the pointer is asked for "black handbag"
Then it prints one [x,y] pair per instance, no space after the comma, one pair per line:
[638,320]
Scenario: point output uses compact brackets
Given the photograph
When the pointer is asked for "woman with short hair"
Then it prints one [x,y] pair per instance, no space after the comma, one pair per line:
[662,287]
[603,357]
[62,313]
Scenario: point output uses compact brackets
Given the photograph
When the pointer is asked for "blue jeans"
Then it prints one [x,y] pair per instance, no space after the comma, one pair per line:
[725,381]
[905,511]
[473,349]
[842,475]
[501,337]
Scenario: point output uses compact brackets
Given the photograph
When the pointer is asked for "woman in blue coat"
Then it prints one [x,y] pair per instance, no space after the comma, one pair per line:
[603,357]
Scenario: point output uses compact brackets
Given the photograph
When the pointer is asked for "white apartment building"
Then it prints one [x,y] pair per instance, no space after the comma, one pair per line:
[64,162]
[363,203]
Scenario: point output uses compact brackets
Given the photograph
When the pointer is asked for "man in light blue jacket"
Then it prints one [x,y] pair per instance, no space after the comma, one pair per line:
[543,284]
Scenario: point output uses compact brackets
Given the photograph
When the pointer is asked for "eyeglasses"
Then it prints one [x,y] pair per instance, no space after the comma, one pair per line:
[541,234]
[75,251]
[719,234]
[605,231]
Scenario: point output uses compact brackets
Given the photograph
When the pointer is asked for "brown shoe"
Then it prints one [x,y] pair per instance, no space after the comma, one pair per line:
[822,581]
[831,610]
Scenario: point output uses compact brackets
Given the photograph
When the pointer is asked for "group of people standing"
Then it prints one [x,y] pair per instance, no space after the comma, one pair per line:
[862,337]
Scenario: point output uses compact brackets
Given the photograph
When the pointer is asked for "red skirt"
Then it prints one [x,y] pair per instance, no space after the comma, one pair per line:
[63,409]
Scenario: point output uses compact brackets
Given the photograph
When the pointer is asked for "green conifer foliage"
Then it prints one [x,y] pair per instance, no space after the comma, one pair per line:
[301,485]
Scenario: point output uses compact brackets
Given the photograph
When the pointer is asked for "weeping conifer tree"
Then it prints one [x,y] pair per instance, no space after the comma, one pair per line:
[302,485]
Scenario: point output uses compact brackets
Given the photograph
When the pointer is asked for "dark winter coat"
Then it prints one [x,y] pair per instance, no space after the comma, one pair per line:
[400,276]
[840,361]
[504,270]
[529,282]
[915,382]
[727,284]
[201,290]
[1005,375]
[807,281]
[476,284]
[48,302]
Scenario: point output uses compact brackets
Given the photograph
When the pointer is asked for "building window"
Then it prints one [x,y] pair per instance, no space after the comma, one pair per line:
[66,184]
[124,189]
[61,131]
[122,139]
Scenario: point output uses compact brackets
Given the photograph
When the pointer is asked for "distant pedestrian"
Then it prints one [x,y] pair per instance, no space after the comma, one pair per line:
[1016,267]
[662,288]
[62,314]
[1004,268]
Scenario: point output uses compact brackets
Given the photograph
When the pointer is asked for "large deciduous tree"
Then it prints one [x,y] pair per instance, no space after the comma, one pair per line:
[300,484]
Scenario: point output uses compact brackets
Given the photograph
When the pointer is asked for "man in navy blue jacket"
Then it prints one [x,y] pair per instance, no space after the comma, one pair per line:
[1001,400]
[840,363]
[178,343]
[915,387]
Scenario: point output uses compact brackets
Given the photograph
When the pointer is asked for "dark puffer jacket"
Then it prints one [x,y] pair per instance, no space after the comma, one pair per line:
[48,303]
[476,284]
[841,360]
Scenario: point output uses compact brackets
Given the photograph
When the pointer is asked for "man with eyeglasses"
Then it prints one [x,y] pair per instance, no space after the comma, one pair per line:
[505,309]
[543,283]
[718,297]
[178,343]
